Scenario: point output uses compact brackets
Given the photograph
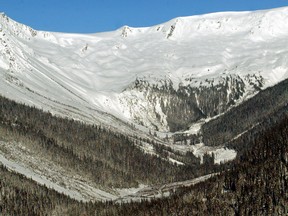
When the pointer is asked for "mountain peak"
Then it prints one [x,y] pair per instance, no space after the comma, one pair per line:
[126,30]
[15,28]
[255,24]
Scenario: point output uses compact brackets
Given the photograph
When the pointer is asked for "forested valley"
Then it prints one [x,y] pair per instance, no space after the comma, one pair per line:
[256,184]
[108,158]
[187,117]
[253,184]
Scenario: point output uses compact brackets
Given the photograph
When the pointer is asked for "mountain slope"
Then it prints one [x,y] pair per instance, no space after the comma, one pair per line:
[255,185]
[260,111]
[86,162]
[145,94]
[164,77]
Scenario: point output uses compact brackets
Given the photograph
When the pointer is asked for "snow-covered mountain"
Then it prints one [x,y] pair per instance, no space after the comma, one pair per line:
[165,77]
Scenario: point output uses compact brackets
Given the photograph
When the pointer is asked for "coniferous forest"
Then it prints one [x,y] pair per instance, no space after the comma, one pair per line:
[255,183]
[112,159]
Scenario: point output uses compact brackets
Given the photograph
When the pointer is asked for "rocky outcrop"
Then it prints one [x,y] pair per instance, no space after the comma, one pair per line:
[164,108]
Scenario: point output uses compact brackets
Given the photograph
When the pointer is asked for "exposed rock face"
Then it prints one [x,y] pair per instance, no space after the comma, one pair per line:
[162,107]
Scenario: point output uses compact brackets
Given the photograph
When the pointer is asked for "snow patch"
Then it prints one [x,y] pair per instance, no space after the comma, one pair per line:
[223,155]
[175,161]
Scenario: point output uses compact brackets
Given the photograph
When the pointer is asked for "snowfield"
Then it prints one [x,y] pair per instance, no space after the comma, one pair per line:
[87,77]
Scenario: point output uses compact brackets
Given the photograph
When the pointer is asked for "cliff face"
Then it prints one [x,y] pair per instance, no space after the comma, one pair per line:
[162,107]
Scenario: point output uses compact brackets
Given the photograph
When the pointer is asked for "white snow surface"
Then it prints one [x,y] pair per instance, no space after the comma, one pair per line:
[87,76]
[221,154]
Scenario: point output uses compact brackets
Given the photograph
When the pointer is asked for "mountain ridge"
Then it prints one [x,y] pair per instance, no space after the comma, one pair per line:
[100,71]
[146,96]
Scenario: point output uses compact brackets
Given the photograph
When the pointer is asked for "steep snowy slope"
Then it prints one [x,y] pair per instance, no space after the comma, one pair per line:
[164,77]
